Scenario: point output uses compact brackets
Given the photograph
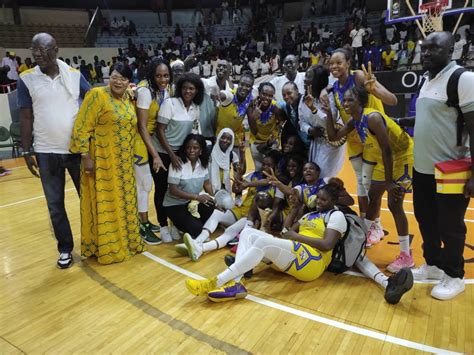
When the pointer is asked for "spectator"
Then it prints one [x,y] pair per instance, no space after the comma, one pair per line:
[274,61]
[290,69]
[75,63]
[115,26]
[104,26]
[459,44]
[123,25]
[313,8]
[26,65]
[404,58]
[10,62]
[357,35]
[388,58]
[132,29]
[178,36]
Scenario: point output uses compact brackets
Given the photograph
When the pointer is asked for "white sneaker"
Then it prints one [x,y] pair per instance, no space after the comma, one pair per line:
[448,288]
[174,233]
[427,272]
[165,235]
[194,247]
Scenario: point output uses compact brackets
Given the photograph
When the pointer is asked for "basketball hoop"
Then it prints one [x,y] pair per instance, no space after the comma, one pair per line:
[432,15]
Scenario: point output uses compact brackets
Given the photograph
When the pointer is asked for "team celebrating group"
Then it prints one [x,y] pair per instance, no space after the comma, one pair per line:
[188,137]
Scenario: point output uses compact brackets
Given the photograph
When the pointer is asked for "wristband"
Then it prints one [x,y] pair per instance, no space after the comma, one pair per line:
[315,111]
[23,154]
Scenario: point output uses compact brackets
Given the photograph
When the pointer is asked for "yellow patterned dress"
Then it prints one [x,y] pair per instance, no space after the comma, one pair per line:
[106,128]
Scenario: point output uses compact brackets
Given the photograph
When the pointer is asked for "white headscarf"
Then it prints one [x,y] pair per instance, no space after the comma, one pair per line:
[221,160]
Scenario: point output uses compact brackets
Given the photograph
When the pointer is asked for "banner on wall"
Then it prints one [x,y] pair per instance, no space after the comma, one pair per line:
[400,82]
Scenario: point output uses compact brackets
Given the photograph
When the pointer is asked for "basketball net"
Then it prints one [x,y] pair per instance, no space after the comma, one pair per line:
[432,18]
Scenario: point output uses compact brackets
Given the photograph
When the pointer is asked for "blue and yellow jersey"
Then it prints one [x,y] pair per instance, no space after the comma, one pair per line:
[232,116]
[400,142]
[354,145]
[308,193]
[310,263]
[267,125]
[243,211]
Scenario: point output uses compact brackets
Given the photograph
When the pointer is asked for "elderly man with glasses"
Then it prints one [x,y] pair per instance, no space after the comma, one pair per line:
[48,98]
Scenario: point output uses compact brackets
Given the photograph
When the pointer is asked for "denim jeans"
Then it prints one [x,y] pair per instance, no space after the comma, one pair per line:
[52,168]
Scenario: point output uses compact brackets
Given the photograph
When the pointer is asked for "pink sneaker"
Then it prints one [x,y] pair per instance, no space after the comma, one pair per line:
[374,236]
[402,260]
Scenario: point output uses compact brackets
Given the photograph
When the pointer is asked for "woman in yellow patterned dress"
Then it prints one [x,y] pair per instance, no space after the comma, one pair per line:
[104,133]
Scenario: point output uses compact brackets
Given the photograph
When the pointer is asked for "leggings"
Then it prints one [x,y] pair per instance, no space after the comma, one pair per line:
[144,186]
[160,179]
[254,245]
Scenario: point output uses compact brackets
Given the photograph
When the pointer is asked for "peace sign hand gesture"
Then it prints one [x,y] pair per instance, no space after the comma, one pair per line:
[271,177]
[369,78]
[309,99]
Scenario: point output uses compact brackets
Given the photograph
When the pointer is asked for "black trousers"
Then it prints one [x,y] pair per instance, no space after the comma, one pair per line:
[160,179]
[52,168]
[441,220]
[185,221]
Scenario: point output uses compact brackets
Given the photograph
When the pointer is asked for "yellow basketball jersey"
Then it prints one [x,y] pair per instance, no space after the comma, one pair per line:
[310,263]
[267,126]
[354,145]
[228,117]
[400,142]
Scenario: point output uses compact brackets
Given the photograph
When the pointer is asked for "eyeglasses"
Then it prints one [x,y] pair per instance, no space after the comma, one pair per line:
[119,79]
[42,50]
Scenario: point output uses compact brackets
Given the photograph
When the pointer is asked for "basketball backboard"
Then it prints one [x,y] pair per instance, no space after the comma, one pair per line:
[398,10]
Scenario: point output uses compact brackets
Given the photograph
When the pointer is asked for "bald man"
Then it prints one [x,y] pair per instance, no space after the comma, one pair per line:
[48,97]
[441,216]
[290,73]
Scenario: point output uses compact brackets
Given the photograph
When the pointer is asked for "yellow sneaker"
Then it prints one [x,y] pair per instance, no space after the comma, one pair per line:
[201,287]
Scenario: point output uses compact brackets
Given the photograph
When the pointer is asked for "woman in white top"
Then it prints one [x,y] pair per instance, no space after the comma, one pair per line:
[178,117]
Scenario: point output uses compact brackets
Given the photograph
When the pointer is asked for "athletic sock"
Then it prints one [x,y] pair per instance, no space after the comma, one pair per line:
[209,246]
[203,236]
[368,222]
[404,243]
[381,279]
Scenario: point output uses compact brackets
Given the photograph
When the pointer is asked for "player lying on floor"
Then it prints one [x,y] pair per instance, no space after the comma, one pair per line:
[304,252]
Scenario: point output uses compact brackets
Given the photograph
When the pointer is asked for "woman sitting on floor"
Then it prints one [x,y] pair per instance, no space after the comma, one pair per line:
[304,252]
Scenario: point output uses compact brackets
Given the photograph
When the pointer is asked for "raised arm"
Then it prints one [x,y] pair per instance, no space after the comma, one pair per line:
[366,78]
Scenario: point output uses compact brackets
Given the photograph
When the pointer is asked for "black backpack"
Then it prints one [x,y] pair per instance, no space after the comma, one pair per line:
[453,100]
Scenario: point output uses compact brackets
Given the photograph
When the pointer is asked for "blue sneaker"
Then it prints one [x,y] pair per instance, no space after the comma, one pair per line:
[230,291]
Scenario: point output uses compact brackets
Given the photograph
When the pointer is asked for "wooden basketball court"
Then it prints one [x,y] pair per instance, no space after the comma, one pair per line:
[142,305]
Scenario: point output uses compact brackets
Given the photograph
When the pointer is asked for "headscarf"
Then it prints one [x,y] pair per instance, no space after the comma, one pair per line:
[221,160]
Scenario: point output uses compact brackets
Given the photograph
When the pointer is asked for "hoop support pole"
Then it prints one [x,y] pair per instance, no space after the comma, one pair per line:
[460,18]
[417,21]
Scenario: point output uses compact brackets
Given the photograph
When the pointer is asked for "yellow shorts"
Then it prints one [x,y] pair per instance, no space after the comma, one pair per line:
[308,264]
[402,173]
[240,211]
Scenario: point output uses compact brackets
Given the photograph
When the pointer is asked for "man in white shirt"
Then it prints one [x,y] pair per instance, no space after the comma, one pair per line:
[458,48]
[48,98]
[290,70]
[10,62]
[357,35]
[441,216]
